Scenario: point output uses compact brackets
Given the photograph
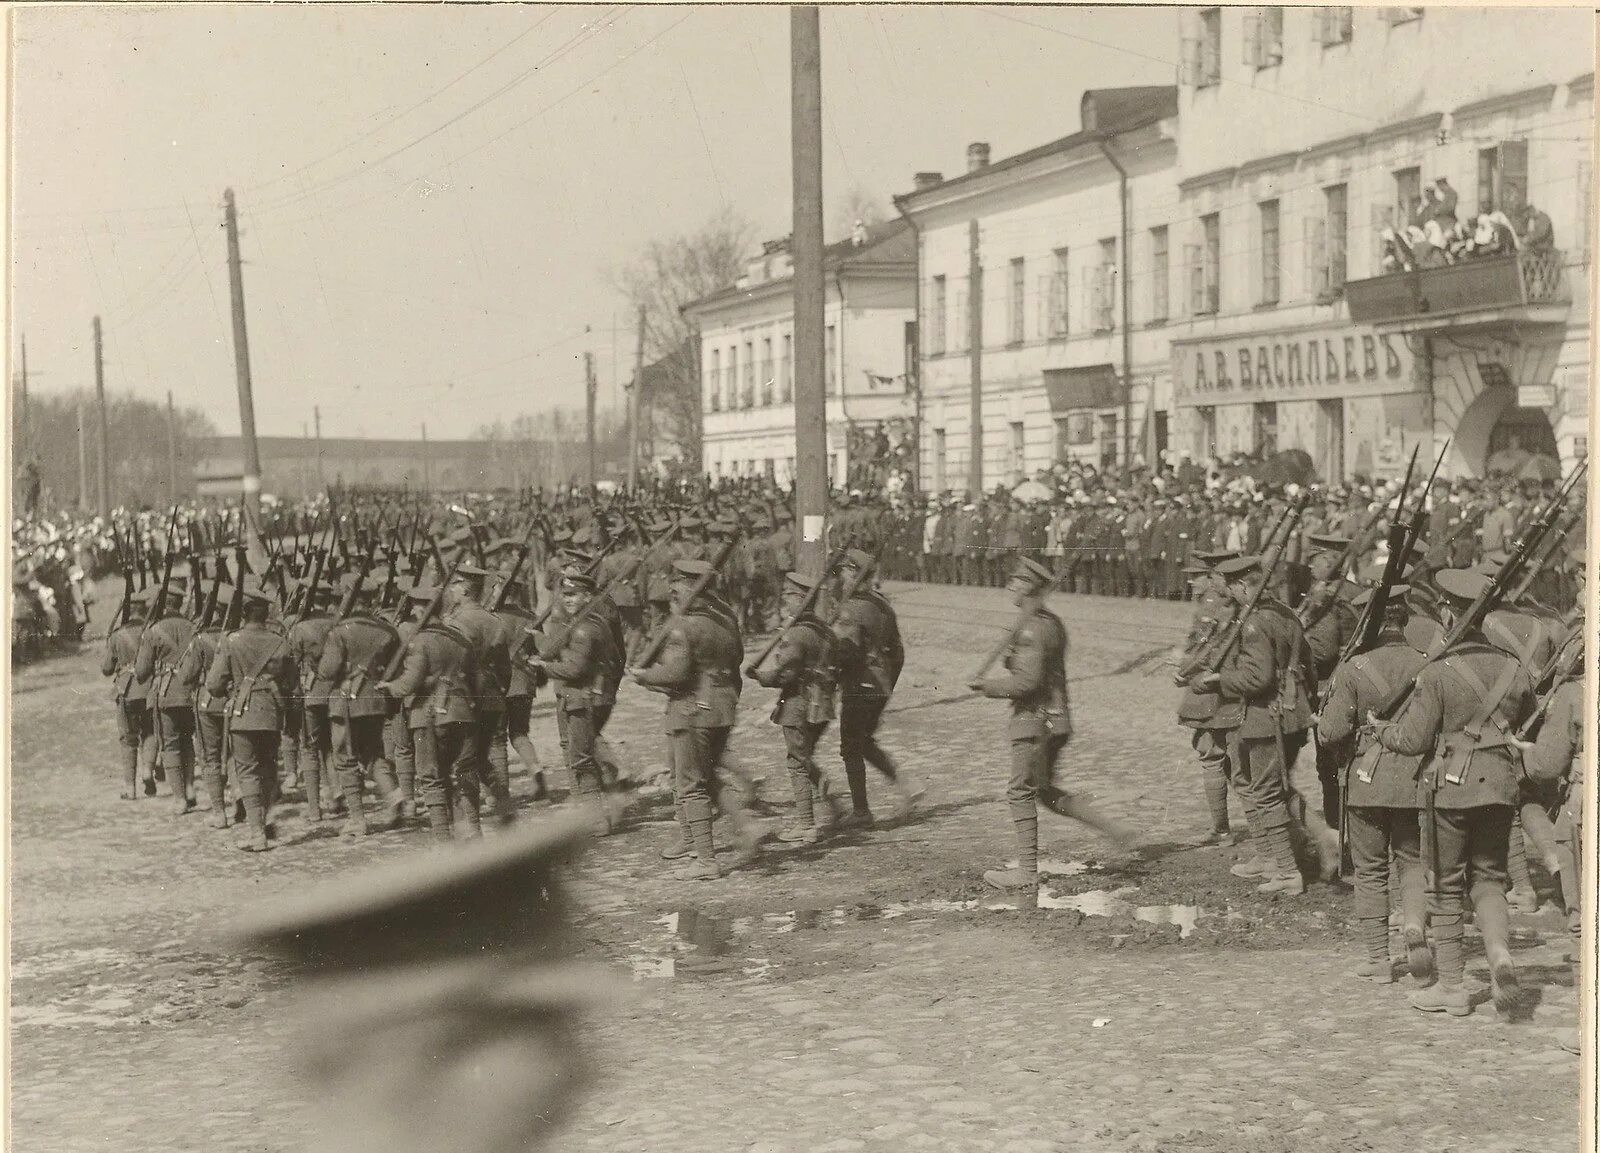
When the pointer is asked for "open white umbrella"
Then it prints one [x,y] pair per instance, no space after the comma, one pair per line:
[1031,490]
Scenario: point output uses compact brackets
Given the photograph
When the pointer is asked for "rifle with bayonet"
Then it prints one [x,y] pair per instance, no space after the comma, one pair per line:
[557,640]
[498,600]
[428,614]
[652,651]
[1548,549]
[835,558]
[1404,531]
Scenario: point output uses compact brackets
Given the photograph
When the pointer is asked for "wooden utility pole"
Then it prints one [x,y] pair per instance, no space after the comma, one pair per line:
[635,404]
[316,417]
[83,462]
[810,403]
[251,486]
[172,451]
[102,477]
[427,477]
[975,361]
[588,411]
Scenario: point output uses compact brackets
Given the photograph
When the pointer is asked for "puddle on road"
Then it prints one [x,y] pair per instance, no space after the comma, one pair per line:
[1103,903]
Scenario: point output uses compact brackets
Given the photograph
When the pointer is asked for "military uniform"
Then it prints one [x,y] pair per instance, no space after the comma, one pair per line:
[210,715]
[521,688]
[585,670]
[492,662]
[355,654]
[252,669]
[436,688]
[802,670]
[1459,714]
[1556,760]
[1198,708]
[171,700]
[135,731]
[306,638]
[699,673]
[1381,810]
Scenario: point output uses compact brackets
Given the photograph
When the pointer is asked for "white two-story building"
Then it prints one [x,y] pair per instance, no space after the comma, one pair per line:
[1069,361]
[1305,132]
[747,353]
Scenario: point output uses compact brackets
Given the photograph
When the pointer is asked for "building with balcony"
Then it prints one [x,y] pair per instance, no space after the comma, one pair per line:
[1292,334]
[747,353]
[1047,278]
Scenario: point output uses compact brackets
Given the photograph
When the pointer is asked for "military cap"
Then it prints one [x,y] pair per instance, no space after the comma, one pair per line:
[783,514]
[1196,567]
[1491,562]
[1033,572]
[470,574]
[489,897]
[252,592]
[857,559]
[690,522]
[690,570]
[659,525]
[1212,559]
[800,581]
[1328,541]
[1460,584]
[582,536]
[574,580]
[723,527]
[499,545]
[574,558]
[353,580]
[1365,594]
[461,536]
[1239,566]
[143,597]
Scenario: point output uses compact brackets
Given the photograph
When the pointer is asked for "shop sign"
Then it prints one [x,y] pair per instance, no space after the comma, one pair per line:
[1536,396]
[1291,366]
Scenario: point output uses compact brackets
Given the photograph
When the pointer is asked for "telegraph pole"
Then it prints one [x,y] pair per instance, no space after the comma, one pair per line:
[589,386]
[172,451]
[102,480]
[251,503]
[316,417]
[810,404]
[83,462]
[635,404]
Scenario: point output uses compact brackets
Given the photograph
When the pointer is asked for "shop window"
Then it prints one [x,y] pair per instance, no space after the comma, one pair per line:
[1265,428]
[1205,431]
[1162,432]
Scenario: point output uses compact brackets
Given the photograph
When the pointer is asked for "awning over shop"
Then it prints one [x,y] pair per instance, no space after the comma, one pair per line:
[1092,386]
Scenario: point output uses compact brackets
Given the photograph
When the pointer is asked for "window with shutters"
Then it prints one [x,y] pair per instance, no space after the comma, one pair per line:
[1056,320]
[1401,15]
[747,394]
[1205,293]
[731,377]
[1271,253]
[1407,194]
[1016,303]
[830,346]
[1160,274]
[1335,26]
[1503,177]
[936,318]
[786,370]
[1103,288]
[766,370]
[714,381]
[1202,61]
[1263,37]
[1337,201]
[1019,450]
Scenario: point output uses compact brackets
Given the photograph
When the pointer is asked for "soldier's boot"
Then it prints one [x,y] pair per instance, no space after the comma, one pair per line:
[1064,804]
[1217,806]
[1372,920]
[465,822]
[1414,919]
[255,821]
[541,789]
[355,821]
[388,788]
[1025,825]
[313,791]
[908,792]
[181,781]
[1447,994]
[860,814]
[291,764]
[439,821]
[216,793]
[683,846]
[406,780]
[1285,878]
[1522,897]
[802,829]
[149,767]
[130,773]
[1494,922]
[832,811]
[703,867]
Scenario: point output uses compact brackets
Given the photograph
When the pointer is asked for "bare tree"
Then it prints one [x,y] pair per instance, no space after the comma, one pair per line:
[667,275]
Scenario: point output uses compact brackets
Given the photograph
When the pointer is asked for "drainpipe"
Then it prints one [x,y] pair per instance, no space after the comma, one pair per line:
[1124,280]
[914,369]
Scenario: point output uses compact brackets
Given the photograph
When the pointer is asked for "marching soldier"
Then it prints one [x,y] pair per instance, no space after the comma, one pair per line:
[699,672]
[584,671]
[870,655]
[1263,707]
[306,637]
[1329,622]
[1463,707]
[492,666]
[252,669]
[210,712]
[436,691]
[1198,708]
[520,690]
[1035,682]
[354,655]
[171,701]
[135,732]
[1380,809]
[801,668]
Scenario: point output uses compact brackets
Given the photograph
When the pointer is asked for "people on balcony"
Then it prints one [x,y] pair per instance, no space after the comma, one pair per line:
[1435,244]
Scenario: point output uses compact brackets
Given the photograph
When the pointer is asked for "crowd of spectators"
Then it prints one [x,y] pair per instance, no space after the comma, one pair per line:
[1434,236]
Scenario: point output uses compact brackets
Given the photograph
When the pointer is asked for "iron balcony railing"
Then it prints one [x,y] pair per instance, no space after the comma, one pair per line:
[1484,284]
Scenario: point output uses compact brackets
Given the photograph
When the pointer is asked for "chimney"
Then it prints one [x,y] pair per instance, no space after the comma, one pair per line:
[977,156]
[923,181]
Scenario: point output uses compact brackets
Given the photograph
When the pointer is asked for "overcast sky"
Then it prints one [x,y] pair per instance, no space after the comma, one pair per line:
[432,198]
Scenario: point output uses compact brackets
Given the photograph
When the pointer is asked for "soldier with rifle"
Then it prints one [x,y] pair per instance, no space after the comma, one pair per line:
[210,712]
[306,635]
[162,645]
[135,732]
[464,611]
[253,672]
[867,643]
[1035,682]
[355,652]
[1261,678]
[802,670]
[695,662]
[1213,617]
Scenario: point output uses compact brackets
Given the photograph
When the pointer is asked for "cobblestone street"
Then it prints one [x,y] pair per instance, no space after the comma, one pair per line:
[866,993]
